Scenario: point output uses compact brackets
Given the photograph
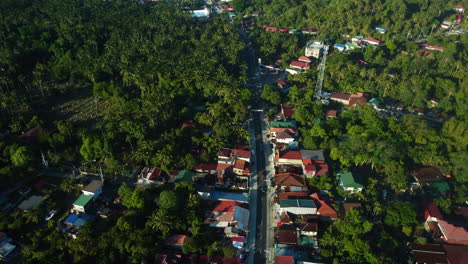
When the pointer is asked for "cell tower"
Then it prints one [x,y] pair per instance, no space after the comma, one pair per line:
[318,87]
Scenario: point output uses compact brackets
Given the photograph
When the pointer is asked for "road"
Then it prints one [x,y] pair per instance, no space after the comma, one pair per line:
[260,225]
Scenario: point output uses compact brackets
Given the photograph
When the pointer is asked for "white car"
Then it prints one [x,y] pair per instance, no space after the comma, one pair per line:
[51,215]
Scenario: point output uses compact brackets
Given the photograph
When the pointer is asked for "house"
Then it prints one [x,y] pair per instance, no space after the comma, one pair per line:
[287,111]
[446,24]
[281,84]
[308,229]
[292,195]
[314,49]
[228,213]
[176,241]
[299,65]
[94,189]
[309,31]
[242,154]
[430,178]
[201,14]
[311,167]
[348,206]
[207,167]
[286,235]
[284,260]
[358,99]
[241,168]
[325,211]
[348,182]
[340,97]
[284,137]
[267,28]
[226,196]
[371,41]
[290,182]
[331,113]
[229,156]
[150,175]
[224,155]
[449,232]
[340,47]
[431,211]
[8,250]
[298,206]
[459,9]
[32,202]
[289,157]
[357,39]
[438,253]
[432,47]
[30,136]
[434,102]
[351,45]
[82,203]
[304,59]
[315,154]
[185,176]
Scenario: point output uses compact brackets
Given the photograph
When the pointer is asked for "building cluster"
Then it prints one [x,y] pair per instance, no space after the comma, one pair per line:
[297,210]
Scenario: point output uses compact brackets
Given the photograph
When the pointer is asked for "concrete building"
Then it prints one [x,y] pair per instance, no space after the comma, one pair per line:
[314,49]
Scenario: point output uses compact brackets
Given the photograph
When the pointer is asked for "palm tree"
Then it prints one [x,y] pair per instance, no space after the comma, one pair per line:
[161,221]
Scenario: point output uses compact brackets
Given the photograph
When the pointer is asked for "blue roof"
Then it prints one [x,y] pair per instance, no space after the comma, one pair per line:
[79,222]
[339,46]
[71,218]
[229,196]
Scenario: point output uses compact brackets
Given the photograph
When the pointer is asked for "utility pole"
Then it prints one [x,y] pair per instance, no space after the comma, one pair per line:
[100,172]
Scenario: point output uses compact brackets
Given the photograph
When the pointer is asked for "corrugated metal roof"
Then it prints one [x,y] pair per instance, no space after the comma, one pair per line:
[83,200]
[297,203]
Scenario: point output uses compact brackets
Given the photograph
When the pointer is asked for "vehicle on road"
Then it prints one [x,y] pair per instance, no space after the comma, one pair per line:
[51,215]
[263,174]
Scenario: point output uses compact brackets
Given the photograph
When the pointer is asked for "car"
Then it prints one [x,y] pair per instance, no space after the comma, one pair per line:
[263,174]
[264,188]
[51,215]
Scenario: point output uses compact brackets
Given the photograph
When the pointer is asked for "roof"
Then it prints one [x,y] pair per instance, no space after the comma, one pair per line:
[206,166]
[428,253]
[324,209]
[284,135]
[456,254]
[284,260]
[283,124]
[281,83]
[308,227]
[241,215]
[224,152]
[431,210]
[297,203]
[93,186]
[290,155]
[304,59]
[289,179]
[292,195]
[348,206]
[348,180]
[185,176]
[314,154]
[240,164]
[229,196]
[226,206]
[287,236]
[167,259]
[439,186]
[291,131]
[454,234]
[83,200]
[71,218]
[340,96]
[32,202]
[176,239]
[241,153]
[371,39]
[331,113]
[287,111]
[299,64]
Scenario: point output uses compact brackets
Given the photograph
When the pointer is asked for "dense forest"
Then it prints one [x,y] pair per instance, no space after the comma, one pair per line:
[111,82]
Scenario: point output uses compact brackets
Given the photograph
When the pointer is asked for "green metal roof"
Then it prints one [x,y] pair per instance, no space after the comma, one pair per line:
[283,124]
[297,203]
[185,176]
[439,186]
[348,180]
[306,241]
[83,200]
[352,44]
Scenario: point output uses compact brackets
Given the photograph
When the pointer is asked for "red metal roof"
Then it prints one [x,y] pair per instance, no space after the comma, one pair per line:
[241,153]
[226,206]
[291,155]
[240,164]
[288,111]
[340,96]
[284,260]
[324,209]
[371,39]
[304,59]
[299,64]
[289,179]
[206,166]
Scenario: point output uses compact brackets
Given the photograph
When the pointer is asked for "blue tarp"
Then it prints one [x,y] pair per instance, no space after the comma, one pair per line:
[79,222]
[71,218]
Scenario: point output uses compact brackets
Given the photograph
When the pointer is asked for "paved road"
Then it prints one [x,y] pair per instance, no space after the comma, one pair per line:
[260,234]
